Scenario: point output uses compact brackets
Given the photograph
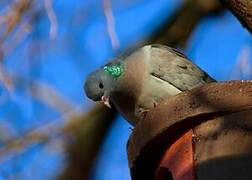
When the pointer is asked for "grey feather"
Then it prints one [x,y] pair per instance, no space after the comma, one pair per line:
[175,68]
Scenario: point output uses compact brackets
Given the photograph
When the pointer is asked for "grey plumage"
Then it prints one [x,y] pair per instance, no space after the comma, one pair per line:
[144,78]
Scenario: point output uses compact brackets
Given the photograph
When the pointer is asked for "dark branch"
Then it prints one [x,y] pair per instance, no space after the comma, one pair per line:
[242,9]
[178,28]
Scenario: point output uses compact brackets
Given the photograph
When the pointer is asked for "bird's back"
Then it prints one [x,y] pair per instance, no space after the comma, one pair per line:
[168,72]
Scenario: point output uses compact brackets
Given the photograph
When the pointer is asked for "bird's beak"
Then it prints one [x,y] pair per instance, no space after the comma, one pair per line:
[105,101]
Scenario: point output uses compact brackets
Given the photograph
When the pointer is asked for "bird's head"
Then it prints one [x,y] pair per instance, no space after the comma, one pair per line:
[100,84]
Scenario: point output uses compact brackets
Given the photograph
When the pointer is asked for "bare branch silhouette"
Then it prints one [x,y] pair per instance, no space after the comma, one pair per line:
[110,24]
[15,15]
[242,9]
[52,17]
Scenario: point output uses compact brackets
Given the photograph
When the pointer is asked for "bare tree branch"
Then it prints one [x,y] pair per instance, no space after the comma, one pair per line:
[15,14]
[176,30]
[50,96]
[12,19]
[110,24]
[88,137]
[5,78]
[19,35]
[67,126]
[243,64]
[242,9]
[52,17]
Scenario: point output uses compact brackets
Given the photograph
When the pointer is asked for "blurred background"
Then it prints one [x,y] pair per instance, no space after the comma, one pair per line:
[48,127]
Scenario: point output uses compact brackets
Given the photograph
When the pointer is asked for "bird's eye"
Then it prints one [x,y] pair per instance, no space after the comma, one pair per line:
[100,85]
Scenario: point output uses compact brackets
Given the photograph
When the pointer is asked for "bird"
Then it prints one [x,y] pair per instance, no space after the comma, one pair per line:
[138,81]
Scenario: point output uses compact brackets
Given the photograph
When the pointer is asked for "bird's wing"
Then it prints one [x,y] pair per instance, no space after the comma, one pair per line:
[173,67]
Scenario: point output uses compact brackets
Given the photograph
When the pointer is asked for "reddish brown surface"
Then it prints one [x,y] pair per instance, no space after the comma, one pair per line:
[178,160]
[165,123]
[223,147]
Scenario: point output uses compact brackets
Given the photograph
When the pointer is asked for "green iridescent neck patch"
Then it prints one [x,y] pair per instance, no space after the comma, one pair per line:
[114,70]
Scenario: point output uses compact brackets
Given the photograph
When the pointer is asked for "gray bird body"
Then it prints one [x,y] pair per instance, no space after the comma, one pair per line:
[149,75]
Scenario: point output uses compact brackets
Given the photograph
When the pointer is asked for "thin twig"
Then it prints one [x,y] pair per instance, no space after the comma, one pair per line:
[52,18]
[19,36]
[15,15]
[50,96]
[110,24]
[44,134]
[243,66]
[6,79]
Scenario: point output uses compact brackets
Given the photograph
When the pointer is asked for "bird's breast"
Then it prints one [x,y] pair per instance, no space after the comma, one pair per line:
[129,88]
